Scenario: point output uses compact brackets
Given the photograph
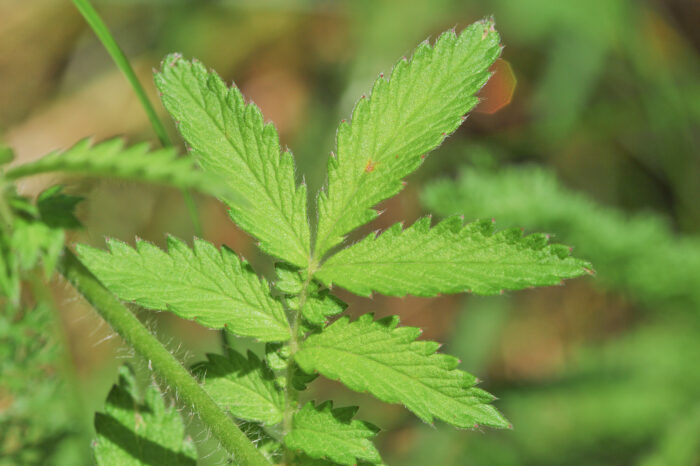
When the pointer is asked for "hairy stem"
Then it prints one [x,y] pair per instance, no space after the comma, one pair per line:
[170,369]
[102,32]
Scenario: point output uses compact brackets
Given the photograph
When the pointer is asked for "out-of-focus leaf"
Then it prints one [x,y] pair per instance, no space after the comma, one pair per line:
[132,431]
[637,254]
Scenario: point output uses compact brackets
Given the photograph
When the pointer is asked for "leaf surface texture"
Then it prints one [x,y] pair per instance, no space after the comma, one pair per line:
[326,433]
[243,385]
[449,258]
[213,286]
[388,362]
[229,138]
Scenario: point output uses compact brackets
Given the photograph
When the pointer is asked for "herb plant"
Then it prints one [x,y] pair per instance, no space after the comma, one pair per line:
[407,114]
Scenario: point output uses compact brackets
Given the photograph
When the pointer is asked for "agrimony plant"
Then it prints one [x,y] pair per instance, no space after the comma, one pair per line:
[408,114]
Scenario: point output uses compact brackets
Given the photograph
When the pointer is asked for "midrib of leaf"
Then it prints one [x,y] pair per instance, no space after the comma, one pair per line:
[330,349]
[340,439]
[445,262]
[243,157]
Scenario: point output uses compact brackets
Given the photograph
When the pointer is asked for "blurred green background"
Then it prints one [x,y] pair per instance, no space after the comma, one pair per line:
[589,131]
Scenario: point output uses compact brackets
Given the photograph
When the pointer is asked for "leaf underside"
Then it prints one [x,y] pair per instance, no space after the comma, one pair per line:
[388,362]
[449,258]
[132,432]
[213,287]
[230,139]
[405,117]
[325,433]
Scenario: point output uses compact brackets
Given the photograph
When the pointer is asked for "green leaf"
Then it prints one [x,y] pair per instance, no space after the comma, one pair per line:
[9,276]
[35,234]
[229,138]
[57,209]
[276,355]
[301,379]
[112,159]
[323,432]
[37,420]
[7,155]
[617,243]
[214,287]
[319,307]
[288,280]
[386,361]
[449,258]
[243,386]
[135,432]
[408,115]
[34,241]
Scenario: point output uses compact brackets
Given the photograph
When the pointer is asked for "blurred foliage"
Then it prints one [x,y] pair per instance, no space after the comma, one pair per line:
[607,100]
[628,251]
[38,422]
[619,402]
[637,391]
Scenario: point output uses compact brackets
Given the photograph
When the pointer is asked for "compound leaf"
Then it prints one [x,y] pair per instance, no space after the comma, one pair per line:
[406,116]
[214,287]
[135,432]
[323,432]
[229,138]
[243,386]
[112,159]
[449,258]
[378,357]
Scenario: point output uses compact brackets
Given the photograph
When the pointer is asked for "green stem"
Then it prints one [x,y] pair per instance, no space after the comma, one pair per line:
[192,210]
[170,369]
[291,403]
[102,32]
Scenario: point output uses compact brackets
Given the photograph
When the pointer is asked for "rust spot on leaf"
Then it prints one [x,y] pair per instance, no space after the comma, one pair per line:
[369,168]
